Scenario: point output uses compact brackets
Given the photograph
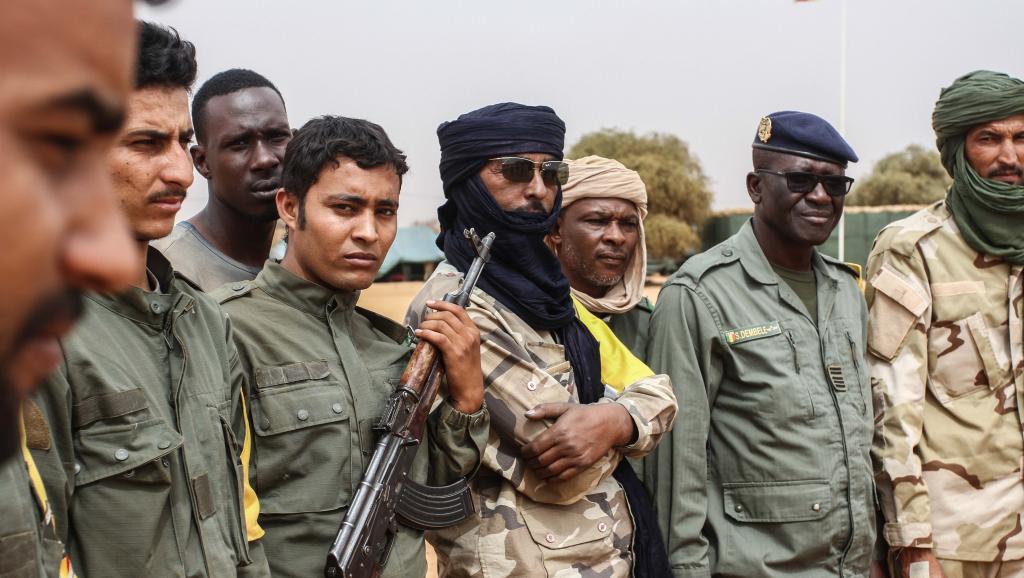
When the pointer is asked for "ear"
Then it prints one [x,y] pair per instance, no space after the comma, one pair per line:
[754,187]
[287,208]
[555,236]
[199,160]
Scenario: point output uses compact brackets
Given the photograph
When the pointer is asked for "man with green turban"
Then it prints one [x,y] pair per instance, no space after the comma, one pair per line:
[945,348]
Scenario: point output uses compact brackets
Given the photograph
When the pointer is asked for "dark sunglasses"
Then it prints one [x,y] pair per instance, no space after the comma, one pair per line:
[520,170]
[803,183]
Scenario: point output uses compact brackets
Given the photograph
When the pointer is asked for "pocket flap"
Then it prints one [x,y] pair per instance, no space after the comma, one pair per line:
[104,452]
[900,290]
[291,373]
[108,405]
[777,501]
[279,411]
[556,527]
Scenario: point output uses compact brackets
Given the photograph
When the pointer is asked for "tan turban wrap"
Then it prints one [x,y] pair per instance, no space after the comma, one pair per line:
[597,177]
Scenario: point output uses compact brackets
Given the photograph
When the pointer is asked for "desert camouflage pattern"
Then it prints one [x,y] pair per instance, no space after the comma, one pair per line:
[946,371]
[525,526]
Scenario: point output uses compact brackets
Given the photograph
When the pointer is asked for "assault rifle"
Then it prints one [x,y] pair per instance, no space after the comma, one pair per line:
[385,496]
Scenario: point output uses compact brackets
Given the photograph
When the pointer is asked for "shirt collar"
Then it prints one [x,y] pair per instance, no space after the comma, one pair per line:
[147,307]
[757,265]
[306,296]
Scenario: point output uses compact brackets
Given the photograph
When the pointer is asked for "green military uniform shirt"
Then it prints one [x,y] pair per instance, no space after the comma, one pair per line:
[632,327]
[768,473]
[29,547]
[320,372]
[144,473]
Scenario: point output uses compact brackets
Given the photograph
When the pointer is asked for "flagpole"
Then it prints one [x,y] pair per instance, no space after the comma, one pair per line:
[842,111]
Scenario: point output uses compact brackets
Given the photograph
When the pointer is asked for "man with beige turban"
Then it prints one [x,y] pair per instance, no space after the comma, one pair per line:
[599,239]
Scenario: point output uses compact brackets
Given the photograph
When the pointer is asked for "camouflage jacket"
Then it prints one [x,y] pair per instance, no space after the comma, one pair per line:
[947,370]
[526,526]
[768,473]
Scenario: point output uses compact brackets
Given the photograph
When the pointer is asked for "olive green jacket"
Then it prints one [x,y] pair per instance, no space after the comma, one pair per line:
[146,426]
[768,471]
[632,327]
[29,547]
[320,371]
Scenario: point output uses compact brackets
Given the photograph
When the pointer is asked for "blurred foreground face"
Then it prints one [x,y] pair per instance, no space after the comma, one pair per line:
[65,72]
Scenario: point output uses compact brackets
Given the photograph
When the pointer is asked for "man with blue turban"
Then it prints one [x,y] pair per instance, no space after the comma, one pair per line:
[553,492]
[945,348]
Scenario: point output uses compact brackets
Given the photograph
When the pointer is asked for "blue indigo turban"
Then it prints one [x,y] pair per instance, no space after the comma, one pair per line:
[497,130]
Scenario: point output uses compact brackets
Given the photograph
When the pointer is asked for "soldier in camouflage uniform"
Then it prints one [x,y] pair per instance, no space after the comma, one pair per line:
[321,369]
[769,473]
[548,494]
[946,360]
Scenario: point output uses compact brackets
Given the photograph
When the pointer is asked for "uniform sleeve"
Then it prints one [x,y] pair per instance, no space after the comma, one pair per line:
[257,566]
[683,334]
[898,320]
[457,442]
[652,405]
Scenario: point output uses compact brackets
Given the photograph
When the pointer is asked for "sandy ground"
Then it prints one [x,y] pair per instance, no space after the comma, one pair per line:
[392,299]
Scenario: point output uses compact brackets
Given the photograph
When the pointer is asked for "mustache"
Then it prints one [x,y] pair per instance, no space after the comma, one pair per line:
[531,208]
[1006,172]
[176,193]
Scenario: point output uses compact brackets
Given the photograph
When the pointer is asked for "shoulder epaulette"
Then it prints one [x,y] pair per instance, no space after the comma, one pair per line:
[902,236]
[701,264]
[231,291]
[398,333]
[189,282]
[851,268]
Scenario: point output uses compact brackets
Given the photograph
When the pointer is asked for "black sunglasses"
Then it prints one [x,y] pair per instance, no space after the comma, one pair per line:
[520,170]
[803,183]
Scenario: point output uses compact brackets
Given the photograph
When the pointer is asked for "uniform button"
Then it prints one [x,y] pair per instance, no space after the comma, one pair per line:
[302,414]
[739,508]
[727,252]
[164,445]
[121,454]
[156,307]
[550,538]
[602,527]
[238,286]
[816,507]
[532,385]
[265,423]
[336,408]
[78,468]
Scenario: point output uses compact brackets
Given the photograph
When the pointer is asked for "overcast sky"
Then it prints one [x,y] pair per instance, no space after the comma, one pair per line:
[703,70]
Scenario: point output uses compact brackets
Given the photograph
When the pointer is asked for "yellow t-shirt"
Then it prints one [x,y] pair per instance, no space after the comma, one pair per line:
[619,367]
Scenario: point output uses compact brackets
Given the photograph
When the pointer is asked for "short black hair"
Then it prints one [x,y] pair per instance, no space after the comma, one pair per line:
[165,59]
[322,140]
[227,82]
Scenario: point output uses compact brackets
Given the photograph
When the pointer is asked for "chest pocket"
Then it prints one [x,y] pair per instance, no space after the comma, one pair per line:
[769,360]
[845,372]
[967,356]
[303,439]
[568,535]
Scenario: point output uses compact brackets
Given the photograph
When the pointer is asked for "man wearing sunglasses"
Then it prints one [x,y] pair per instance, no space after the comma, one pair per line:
[763,337]
[553,495]
[945,291]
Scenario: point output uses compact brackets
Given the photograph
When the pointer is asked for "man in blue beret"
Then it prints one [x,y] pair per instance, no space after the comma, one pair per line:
[769,473]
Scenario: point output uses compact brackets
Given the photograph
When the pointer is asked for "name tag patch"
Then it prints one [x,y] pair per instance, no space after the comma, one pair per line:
[741,334]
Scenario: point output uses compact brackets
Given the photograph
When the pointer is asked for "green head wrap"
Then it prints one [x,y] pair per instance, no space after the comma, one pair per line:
[990,214]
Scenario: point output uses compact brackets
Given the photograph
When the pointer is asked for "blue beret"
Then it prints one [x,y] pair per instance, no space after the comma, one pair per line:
[803,134]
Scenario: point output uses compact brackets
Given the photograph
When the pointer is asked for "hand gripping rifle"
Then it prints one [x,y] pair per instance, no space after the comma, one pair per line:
[385,496]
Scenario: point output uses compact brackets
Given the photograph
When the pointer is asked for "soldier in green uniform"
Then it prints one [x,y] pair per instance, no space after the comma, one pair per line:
[599,239]
[769,473]
[62,95]
[320,368]
[146,423]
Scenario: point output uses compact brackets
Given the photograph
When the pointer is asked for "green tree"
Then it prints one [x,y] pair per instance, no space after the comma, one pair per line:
[913,176]
[677,188]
